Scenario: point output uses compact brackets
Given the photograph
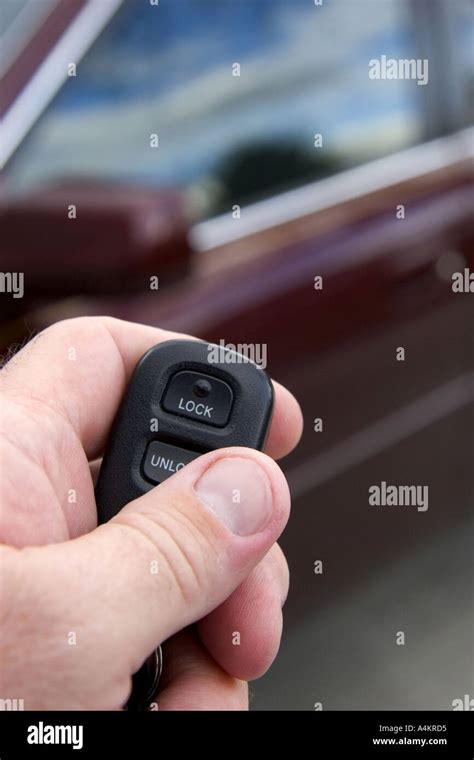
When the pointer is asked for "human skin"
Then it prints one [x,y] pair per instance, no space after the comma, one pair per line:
[80,607]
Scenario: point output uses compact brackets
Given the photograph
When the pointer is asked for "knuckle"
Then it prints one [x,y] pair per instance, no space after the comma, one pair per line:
[73,327]
[184,553]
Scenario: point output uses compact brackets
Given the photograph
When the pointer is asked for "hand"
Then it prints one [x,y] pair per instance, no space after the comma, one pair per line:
[83,606]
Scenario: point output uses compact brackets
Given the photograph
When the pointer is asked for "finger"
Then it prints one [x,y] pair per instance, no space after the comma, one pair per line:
[192,680]
[165,561]
[243,634]
[78,370]
[287,423]
[94,468]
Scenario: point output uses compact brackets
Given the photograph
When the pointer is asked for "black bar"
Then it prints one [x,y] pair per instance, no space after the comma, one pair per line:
[323,734]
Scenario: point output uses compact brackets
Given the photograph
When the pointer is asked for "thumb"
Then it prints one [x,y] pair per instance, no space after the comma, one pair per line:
[173,555]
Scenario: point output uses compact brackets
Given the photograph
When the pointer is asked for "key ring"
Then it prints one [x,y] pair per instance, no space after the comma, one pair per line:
[145,682]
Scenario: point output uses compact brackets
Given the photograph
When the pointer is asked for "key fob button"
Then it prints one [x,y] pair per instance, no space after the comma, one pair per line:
[162,460]
[199,397]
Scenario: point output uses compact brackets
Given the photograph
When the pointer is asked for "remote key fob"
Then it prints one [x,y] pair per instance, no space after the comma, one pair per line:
[185,398]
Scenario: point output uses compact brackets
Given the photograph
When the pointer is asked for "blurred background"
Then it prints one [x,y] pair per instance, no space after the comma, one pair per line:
[236,150]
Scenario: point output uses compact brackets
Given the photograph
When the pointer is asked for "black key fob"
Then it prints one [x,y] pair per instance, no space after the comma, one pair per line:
[185,398]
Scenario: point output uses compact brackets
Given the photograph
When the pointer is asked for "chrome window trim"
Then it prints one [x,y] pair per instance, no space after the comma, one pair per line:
[52,73]
[22,29]
[326,193]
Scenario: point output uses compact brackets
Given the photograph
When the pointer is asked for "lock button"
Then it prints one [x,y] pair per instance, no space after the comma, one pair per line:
[199,397]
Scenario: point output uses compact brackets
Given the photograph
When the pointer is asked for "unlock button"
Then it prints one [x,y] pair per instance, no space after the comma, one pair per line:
[200,397]
[161,461]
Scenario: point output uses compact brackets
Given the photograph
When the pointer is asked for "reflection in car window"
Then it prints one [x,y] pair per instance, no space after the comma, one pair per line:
[235,92]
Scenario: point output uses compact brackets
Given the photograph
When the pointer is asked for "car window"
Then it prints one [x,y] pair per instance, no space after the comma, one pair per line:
[237,100]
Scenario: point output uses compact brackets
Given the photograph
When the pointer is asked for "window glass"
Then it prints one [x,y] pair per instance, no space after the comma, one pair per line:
[231,135]
[9,12]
